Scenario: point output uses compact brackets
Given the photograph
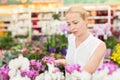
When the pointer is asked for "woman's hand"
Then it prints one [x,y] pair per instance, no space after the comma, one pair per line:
[61,61]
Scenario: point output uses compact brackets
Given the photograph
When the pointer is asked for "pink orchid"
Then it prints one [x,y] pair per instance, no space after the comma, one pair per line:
[70,68]
[63,27]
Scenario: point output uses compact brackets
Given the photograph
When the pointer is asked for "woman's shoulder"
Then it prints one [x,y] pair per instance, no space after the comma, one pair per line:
[96,42]
[101,44]
[95,39]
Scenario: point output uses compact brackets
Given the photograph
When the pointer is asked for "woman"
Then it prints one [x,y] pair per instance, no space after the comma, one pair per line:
[83,47]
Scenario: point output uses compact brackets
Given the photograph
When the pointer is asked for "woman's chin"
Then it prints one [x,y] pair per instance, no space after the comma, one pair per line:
[75,35]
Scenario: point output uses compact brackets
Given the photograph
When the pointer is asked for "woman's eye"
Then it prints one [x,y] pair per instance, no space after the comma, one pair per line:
[75,22]
[68,24]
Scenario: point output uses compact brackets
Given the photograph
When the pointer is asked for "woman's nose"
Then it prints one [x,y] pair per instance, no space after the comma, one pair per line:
[72,28]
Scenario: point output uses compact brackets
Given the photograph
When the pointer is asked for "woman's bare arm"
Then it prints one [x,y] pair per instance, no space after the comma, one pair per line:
[95,59]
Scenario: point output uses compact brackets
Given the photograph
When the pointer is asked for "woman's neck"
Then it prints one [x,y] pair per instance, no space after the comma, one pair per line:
[83,37]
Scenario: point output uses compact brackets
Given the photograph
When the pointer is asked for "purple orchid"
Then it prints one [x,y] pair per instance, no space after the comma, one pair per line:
[4,72]
[31,74]
[70,68]
[111,66]
[57,69]
[36,65]
[42,38]
[64,51]
[48,59]
[63,27]
[77,67]
[52,50]
[35,68]
[104,30]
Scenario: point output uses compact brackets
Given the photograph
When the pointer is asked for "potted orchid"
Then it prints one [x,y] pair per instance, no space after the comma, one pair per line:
[72,71]
[57,43]
[45,69]
[108,71]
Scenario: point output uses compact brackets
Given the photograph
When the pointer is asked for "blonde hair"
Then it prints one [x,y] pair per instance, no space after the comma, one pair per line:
[78,9]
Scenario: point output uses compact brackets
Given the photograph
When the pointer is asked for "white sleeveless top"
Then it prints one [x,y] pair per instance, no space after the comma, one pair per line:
[83,52]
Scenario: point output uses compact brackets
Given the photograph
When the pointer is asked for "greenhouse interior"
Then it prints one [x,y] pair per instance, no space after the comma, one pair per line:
[59,39]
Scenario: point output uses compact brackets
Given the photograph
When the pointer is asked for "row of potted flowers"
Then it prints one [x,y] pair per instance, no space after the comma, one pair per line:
[22,68]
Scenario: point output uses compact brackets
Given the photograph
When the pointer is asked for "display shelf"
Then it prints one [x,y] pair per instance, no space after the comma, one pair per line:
[22,22]
[99,14]
[5,24]
[36,26]
[6,19]
[92,25]
[21,19]
[46,1]
[39,18]
[34,21]
[38,34]
[4,30]
[99,17]
[116,18]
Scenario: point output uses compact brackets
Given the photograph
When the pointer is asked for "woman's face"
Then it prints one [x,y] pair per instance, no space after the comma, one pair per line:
[76,24]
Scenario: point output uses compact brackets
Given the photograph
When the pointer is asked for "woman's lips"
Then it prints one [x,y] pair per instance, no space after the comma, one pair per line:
[75,32]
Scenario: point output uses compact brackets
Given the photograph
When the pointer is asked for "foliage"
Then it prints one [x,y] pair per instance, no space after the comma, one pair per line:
[56,44]
[111,42]
[52,46]
[116,54]
[56,16]
[30,49]
[6,57]
[6,42]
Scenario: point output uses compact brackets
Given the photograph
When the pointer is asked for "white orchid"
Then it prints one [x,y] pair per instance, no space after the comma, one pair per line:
[51,68]
[99,75]
[107,77]
[16,64]
[12,73]
[20,62]
[47,76]
[85,76]
[116,75]
[40,77]
[54,27]
[19,77]
[24,62]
